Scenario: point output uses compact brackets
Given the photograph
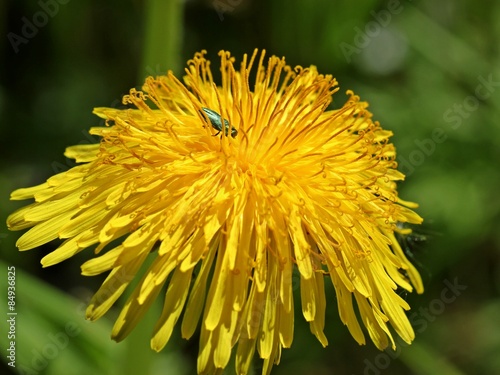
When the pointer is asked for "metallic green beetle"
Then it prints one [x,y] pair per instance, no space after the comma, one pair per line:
[216,121]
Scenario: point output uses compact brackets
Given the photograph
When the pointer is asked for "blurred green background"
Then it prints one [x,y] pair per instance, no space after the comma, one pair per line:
[430,71]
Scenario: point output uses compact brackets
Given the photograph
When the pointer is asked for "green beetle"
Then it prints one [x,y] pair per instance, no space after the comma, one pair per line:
[216,121]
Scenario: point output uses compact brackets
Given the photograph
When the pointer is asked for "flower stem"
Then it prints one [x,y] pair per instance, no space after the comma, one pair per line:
[162,37]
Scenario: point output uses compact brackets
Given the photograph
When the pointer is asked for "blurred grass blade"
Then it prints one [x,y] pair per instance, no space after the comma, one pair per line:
[163,37]
[424,360]
[50,323]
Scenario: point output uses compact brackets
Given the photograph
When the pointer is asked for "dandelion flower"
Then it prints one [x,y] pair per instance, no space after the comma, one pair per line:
[230,188]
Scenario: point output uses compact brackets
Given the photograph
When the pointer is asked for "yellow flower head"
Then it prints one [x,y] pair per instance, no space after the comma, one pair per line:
[234,186]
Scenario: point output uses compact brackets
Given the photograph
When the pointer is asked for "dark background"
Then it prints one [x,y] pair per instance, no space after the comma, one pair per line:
[430,71]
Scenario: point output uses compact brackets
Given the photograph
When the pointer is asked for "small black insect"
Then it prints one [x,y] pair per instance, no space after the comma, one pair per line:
[216,121]
[411,243]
